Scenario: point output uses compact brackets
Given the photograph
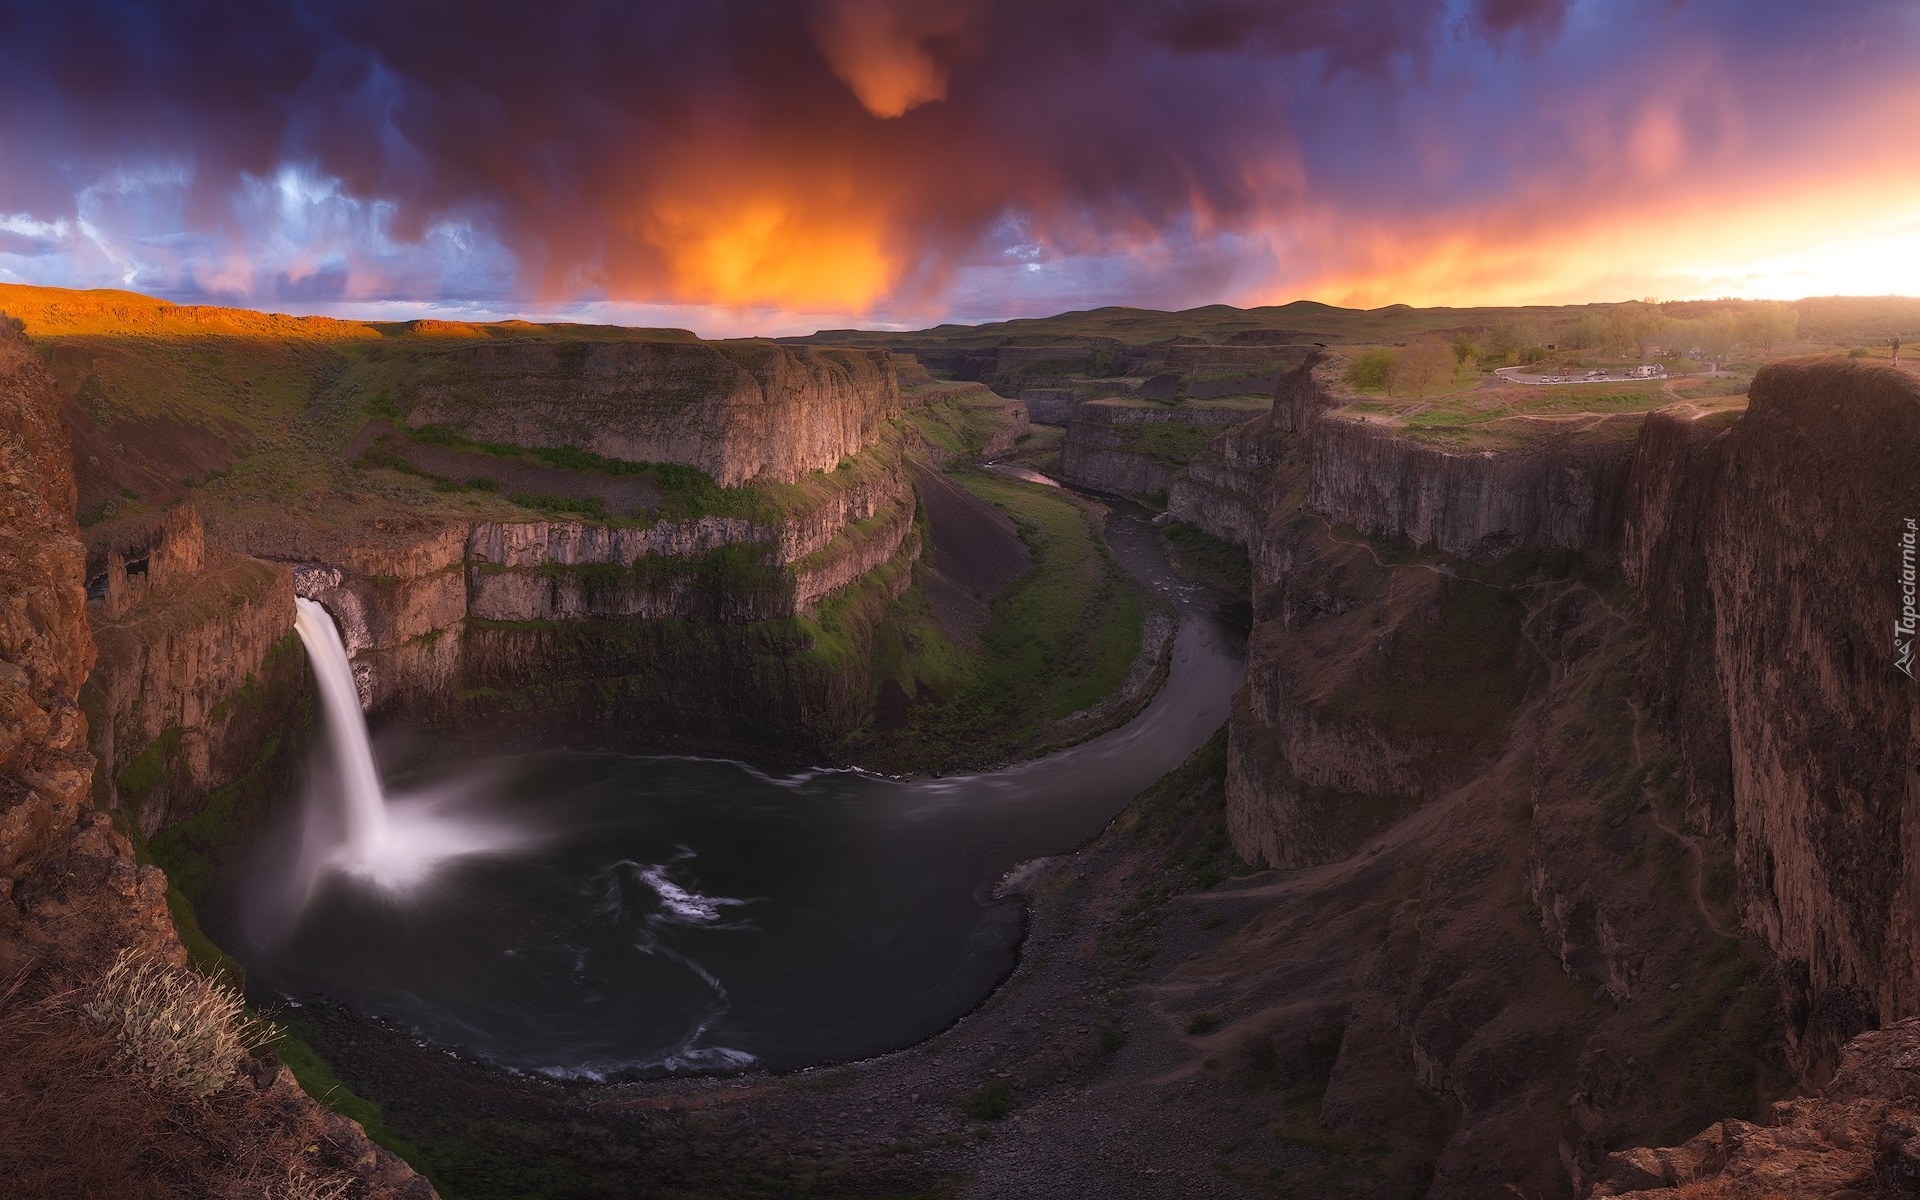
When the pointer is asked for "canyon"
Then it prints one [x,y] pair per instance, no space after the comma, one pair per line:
[1564,809]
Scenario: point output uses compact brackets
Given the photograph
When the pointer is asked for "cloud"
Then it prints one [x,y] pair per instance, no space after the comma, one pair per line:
[893,53]
[904,159]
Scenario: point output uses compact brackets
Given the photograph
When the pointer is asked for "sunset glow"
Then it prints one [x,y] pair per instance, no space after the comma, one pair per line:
[767,165]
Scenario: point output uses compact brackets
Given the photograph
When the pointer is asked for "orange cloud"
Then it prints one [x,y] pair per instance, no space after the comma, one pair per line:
[886,52]
[1748,217]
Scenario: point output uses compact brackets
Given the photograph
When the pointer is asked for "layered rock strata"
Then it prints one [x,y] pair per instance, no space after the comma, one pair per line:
[1131,448]
[170,664]
[739,411]
[1560,494]
[71,893]
[1773,559]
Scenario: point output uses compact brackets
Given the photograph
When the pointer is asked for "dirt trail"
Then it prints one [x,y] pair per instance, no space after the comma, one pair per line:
[1697,870]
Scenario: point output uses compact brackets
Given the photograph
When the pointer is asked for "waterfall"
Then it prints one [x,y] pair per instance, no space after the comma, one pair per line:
[357,833]
[363,806]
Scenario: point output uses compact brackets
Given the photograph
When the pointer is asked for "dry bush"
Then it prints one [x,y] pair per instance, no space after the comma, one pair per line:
[302,1185]
[79,1117]
[184,1031]
[73,1121]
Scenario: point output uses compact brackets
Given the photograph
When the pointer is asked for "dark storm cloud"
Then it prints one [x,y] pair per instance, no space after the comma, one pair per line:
[829,153]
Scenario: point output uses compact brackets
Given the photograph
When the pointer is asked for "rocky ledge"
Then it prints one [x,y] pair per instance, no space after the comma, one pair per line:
[1858,1138]
[737,410]
[73,897]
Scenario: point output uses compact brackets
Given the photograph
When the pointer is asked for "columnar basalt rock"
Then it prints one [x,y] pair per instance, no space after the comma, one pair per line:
[739,411]
[1477,504]
[72,896]
[45,649]
[1130,448]
[168,668]
[176,642]
[1229,490]
[1774,568]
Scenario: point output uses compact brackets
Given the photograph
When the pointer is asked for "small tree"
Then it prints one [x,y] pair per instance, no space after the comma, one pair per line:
[1517,338]
[1372,371]
[1634,324]
[1767,323]
[1425,362]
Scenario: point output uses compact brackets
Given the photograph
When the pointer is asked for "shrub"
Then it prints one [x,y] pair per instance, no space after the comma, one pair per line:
[185,1032]
[989,1101]
[299,1185]
[1202,1024]
[593,507]
[1372,370]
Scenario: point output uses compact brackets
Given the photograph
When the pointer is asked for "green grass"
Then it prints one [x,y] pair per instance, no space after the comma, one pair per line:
[1057,642]
[990,1101]
[1720,1030]
[1561,400]
[959,426]
[1174,442]
[1457,678]
[686,492]
[592,507]
[1183,816]
[1198,555]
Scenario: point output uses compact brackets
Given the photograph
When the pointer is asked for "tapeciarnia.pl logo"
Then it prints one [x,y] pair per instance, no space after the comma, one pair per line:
[1903,628]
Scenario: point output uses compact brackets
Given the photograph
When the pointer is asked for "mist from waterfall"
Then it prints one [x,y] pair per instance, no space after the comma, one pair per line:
[352,827]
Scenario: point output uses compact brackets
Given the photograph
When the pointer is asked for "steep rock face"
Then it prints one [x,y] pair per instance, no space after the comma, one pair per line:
[731,686]
[1229,490]
[166,669]
[1475,504]
[1015,423]
[737,410]
[1049,406]
[1859,1137]
[71,893]
[625,635]
[1134,449]
[1369,690]
[1799,537]
[45,649]
[1675,478]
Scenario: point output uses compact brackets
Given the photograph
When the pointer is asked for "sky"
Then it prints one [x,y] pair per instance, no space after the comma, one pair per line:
[778,166]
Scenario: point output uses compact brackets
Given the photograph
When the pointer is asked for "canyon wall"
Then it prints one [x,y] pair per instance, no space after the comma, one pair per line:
[1133,448]
[1769,555]
[1230,488]
[1562,493]
[739,411]
[45,648]
[1736,702]
[176,645]
[73,896]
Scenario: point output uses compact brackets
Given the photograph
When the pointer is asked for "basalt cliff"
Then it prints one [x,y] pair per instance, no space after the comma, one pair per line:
[75,1119]
[1630,696]
[1565,809]
[736,410]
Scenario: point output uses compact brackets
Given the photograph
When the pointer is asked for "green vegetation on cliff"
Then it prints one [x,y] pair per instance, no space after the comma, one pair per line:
[1057,642]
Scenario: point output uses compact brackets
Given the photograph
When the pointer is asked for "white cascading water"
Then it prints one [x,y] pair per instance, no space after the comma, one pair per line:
[363,807]
[397,845]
